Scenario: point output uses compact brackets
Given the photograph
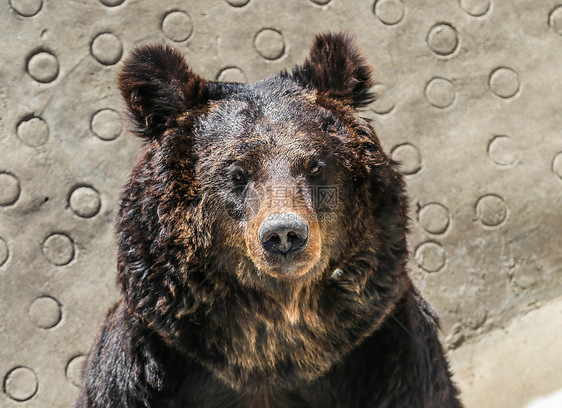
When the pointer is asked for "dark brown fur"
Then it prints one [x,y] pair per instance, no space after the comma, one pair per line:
[207,318]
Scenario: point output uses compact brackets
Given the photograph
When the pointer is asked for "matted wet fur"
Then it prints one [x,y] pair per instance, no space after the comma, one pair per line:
[216,314]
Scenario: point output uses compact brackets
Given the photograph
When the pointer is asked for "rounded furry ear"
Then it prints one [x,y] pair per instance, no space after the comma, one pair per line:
[336,68]
[158,85]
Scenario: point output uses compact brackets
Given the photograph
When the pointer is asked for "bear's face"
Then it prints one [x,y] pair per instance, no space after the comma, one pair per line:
[263,225]
[274,167]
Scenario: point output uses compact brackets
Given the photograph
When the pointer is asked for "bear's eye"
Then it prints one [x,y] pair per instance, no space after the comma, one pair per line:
[239,177]
[316,168]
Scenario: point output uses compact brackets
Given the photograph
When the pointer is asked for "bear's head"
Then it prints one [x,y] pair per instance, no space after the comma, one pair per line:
[263,206]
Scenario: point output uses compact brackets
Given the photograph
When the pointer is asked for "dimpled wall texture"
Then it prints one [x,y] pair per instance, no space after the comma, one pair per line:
[469,102]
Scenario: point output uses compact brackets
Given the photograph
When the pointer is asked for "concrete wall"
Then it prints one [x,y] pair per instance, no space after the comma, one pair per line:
[470,102]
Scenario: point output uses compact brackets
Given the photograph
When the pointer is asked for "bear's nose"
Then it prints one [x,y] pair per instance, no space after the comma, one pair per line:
[283,234]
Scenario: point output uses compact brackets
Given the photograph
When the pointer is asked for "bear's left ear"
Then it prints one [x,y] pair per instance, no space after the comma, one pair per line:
[158,85]
[336,68]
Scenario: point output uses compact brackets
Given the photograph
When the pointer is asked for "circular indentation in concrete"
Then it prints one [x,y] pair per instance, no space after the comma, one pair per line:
[389,12]
[26,8]
[74,370]
[43,67]
[409,158]
[177,26]
[443,39]
[557,165]
[111,3]
[431,256]
[434,218]
[33,131]
[85,202]
[525,273]
[476,319]
[20,384]
[107,49]
[503,151]
[9,189]
[476,8]
[4,252]
[321,2]
[270,44]
[440,92]
[504,82]
[232,74]
[491,210]
[384,103]
[45,312]
[237,3]
[555,20]
[58,249]
[106,124]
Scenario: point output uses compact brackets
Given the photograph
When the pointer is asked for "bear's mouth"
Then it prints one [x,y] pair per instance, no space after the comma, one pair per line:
[288,268]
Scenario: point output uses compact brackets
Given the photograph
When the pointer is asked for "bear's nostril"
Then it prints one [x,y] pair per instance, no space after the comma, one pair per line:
[291,236]
[283,234]
[295,239]
[271,243]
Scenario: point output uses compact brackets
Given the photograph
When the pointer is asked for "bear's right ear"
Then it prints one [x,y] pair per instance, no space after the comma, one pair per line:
[158,85]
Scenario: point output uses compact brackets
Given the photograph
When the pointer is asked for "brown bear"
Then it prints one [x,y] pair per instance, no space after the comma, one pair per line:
[262,248]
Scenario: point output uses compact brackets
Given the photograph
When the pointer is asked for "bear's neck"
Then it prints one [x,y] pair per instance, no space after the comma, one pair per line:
[249,337]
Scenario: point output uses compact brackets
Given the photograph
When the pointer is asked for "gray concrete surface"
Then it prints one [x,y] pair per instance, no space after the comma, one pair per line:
[470,102]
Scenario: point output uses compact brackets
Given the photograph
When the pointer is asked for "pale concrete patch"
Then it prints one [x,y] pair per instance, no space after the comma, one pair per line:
[512,366]
[551,401]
